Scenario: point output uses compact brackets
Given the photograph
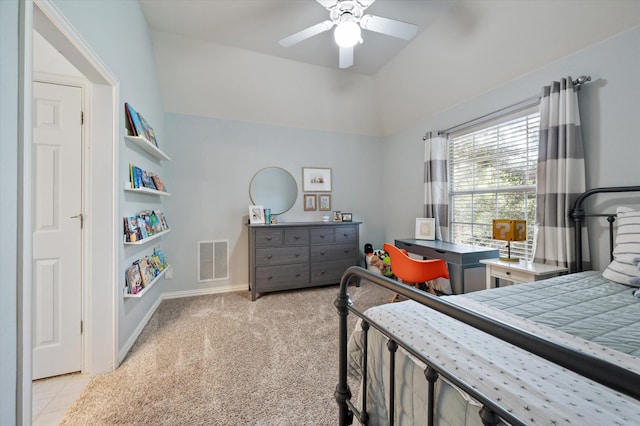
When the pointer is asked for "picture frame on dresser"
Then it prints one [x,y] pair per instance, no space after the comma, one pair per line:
[256,214]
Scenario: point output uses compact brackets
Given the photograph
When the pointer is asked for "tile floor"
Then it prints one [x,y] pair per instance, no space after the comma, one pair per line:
[53,396]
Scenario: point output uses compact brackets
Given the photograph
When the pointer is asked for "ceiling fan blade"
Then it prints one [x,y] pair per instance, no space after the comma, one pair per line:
[388,26]
[306,33]
[328,4]
[346,57]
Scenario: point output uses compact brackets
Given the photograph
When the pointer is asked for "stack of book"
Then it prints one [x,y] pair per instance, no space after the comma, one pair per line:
[143,271]
[138,126]
[142,179]
[143,225]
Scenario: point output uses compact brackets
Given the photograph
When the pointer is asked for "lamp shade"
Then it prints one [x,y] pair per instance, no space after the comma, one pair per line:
[347,34]
[509,230]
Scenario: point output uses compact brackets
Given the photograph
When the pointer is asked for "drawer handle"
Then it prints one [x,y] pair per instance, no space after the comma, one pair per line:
[346,250]
[322,253]
[269,238]
[297,275]
[269,277]
[297,237]
[345,234]
[269,256]
[508,273]
[297,254]
[322,272]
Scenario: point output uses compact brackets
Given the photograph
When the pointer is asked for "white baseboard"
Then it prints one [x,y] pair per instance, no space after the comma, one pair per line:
[204,291]
[172,295]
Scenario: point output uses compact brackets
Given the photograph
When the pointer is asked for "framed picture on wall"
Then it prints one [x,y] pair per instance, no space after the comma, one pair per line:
[256,214]
[324,202]
[316,179]
[425,229]
[309,202]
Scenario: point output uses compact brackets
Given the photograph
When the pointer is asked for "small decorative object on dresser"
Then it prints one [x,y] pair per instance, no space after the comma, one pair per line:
[346,217]
[256,214]
[337,216]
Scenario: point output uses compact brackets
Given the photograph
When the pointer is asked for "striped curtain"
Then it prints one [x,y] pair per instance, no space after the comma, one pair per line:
[436,191]
[560,176]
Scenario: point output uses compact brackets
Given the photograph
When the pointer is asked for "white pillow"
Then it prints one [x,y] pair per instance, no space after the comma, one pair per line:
[627,248]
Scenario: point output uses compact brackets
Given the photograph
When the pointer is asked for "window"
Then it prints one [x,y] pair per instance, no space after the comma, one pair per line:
[492,174]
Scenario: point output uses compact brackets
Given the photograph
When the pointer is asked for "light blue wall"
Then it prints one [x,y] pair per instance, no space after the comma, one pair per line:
[8,206]
[213,161]
[609,108]
[118,33]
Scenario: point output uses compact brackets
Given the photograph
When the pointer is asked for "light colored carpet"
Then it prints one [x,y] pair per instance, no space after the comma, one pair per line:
[224,360]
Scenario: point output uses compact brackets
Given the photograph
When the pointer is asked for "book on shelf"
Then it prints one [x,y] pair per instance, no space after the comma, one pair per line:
[148,130]
[143,225]
[147,182]
[160,254]
[158,182]
[157,263]
[134,278]
[132,232]
[134,120]
[146,271]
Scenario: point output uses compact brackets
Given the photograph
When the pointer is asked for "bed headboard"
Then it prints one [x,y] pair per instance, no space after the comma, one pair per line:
[578,215]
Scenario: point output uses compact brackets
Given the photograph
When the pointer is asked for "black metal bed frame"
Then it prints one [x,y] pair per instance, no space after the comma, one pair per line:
[603,372]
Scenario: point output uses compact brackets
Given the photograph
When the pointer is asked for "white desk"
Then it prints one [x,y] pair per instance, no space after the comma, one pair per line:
[519,272]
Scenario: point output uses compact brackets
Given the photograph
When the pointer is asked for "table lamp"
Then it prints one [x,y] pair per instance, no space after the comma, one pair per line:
[509,230]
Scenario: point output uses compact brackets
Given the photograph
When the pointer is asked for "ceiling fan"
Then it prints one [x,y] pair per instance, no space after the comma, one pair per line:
[348,18]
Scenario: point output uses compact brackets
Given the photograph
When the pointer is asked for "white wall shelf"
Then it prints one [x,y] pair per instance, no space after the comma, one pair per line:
[148,191]
[147,146]
[144,290]
[146,240]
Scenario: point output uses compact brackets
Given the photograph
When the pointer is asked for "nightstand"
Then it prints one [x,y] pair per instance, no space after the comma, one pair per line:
[519,272]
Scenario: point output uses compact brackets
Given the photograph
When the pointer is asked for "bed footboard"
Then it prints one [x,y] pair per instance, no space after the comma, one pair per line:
[613,376]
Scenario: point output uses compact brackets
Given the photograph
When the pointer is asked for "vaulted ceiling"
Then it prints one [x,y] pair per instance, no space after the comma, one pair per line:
[258,25]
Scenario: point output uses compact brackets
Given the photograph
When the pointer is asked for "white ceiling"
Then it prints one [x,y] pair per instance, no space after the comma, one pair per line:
[258,25]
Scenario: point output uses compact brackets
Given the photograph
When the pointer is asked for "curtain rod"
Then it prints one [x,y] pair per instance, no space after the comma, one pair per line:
[511,108]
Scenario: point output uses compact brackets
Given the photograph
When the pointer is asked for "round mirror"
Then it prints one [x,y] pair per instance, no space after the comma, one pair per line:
[273,188]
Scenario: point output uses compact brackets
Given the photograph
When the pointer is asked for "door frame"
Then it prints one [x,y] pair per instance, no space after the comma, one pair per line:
[102,135]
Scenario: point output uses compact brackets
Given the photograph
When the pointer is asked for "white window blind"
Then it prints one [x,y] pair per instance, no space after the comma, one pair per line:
[492,175]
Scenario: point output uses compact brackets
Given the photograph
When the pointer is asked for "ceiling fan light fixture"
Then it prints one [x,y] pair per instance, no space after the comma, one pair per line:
[347,34]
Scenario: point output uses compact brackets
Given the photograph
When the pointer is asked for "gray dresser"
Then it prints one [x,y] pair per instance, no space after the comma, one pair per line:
[302,254]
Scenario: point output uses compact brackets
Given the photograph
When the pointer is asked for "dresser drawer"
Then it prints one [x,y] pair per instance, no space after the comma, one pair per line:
[322,235]
[334,252]
[281,255]
[268,237]
[282,277]
[346,234]
[294,237]
[329,272]
[512,275]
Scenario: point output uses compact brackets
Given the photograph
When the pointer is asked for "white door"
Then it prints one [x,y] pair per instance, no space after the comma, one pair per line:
[57,232]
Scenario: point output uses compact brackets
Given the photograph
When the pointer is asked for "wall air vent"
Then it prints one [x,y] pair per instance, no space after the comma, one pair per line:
[213,260]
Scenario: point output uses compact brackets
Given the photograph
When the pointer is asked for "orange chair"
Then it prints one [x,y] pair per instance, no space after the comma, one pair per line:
[413,271]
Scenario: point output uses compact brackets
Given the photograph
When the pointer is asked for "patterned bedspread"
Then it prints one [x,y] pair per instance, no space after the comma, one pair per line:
[538,392]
